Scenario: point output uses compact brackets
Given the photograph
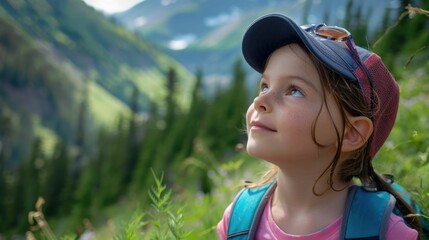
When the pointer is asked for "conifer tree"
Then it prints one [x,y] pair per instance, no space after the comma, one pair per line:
[356,22]
[80,139]
[85,192]
[114,151]
[6,132]
[14,210]
[100,171]
[226,117]
[213,132]
[33,172]
[306,10]
[173,124]
[170,98]
[133,138]
[148,148]
[3,189]
[239,98]
[193,120]
[57,184]
[26,187]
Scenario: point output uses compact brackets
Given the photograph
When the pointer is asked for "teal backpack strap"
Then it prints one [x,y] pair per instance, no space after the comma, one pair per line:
[406,196]
[246,211]
[367,214]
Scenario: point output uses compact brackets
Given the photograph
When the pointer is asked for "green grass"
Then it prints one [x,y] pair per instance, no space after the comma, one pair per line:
[180,214]
[187,214]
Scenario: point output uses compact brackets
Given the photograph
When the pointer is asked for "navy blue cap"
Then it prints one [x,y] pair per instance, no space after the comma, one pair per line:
[273,31]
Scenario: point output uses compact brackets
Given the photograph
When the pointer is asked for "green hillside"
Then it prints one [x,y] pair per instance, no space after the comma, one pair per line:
[58,54]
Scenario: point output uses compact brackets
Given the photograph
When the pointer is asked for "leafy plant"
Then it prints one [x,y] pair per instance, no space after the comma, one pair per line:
[131,230]
[165,222]
[421,197]
[162,204]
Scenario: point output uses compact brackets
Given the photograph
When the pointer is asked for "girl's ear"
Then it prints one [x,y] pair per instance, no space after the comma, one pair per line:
[357,133]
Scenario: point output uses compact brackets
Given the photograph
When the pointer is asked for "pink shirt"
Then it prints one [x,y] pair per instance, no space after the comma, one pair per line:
[268,229]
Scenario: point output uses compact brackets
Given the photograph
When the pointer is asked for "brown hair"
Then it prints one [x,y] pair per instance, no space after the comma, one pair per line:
[349,99]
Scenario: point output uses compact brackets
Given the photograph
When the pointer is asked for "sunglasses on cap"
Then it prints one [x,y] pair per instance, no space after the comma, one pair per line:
[340,34]
[337,34]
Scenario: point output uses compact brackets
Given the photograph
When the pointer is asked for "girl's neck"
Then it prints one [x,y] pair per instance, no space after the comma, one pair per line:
[296,208]
[306,188]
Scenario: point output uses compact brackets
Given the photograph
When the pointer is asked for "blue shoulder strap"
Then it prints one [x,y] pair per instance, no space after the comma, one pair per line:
[251,202]
[366,214]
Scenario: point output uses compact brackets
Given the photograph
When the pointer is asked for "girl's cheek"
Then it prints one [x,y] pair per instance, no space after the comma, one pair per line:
[327,125]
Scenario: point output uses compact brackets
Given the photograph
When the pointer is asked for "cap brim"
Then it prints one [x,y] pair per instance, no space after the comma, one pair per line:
[273,31]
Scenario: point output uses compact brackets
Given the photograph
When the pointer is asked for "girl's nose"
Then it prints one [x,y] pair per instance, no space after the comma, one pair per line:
[261,103]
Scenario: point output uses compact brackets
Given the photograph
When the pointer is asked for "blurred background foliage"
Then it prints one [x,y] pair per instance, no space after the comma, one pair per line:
[88,108]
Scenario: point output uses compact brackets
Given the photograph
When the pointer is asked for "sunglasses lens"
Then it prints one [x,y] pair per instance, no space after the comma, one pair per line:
[333,33]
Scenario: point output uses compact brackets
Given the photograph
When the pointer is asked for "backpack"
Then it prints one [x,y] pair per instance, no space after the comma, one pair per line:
[366,215]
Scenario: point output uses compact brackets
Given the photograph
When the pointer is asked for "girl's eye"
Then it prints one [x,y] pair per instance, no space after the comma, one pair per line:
[296,92]
[264,88]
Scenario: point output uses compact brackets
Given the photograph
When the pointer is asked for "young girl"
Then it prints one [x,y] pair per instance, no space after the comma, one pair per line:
[325,107]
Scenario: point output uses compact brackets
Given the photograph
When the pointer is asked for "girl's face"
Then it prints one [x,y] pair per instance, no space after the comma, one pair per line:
[291,103]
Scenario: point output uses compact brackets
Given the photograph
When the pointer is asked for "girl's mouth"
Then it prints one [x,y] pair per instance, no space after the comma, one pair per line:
[256,125]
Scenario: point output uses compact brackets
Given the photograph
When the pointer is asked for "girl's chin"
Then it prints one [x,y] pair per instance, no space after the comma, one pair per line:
[257,153]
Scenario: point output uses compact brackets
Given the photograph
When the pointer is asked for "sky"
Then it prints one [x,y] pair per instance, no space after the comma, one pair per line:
[112,6]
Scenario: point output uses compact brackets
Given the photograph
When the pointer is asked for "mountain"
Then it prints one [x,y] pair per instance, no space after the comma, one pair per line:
[58,57]
[207,33]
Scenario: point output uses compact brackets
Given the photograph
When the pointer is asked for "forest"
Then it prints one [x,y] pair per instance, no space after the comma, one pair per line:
[170,171]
